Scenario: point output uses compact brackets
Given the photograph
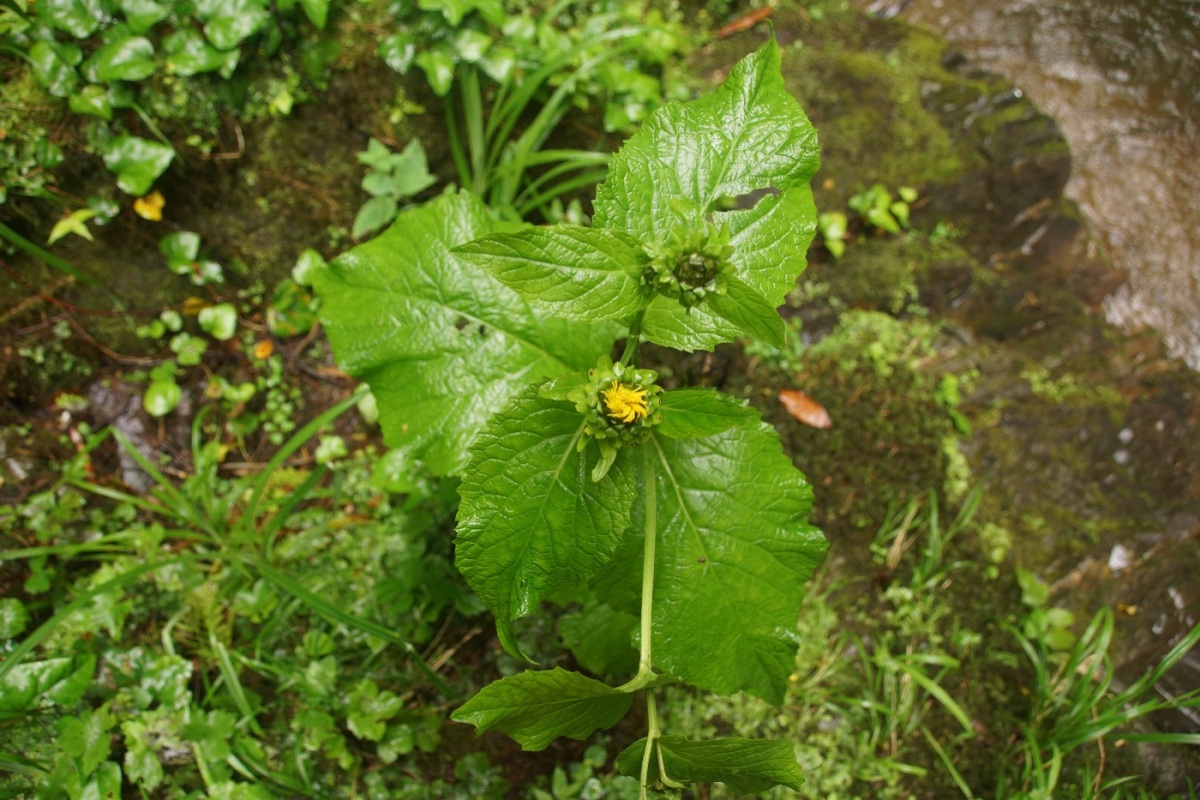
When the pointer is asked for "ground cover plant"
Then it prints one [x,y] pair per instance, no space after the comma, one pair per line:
[578,470]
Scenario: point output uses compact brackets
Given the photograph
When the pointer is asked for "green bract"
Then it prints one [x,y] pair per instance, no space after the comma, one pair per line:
[489,348]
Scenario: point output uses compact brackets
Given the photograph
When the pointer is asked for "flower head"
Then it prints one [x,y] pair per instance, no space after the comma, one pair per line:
[690,264]
[625,403]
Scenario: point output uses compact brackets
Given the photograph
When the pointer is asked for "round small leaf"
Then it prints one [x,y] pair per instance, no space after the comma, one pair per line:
[219,321]
[161,398]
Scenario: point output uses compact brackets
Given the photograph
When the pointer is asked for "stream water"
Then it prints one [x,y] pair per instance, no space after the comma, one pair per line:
[1122,79]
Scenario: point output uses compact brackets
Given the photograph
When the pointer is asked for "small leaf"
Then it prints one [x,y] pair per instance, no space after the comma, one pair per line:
[52,67]
[181,249]
[86,737]
[219,321]
[80,18]
[317,12]
[582,273]
[438,65]
[93,100]
[370,709]
[74,223]
[136,162]
[746,766]
[308,262]
[161,398]
[142,15]
[229,22]
[150,207]
[398,51]
[526,485]
[13,618]
[129,58]
[697,413]
[805,409]
[535,708]
[374,214]
[188,53]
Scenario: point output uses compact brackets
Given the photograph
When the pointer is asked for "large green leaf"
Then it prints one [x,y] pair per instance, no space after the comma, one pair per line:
[734,550]
[125,58]
[537,707]
[532,521]
[697,413]
[746,766]
[442,344]
[748,137]
[189,53]
[136,162]
[582,273]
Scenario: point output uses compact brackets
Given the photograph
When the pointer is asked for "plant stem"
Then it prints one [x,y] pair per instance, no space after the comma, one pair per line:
[652,734]
[634,338]
[14,238]
[645,674]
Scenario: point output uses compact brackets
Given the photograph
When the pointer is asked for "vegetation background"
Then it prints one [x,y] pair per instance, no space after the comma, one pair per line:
[218,583]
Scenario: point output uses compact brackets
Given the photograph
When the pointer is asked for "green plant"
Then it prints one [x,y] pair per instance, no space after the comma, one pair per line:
[542,66]
[392,177]
[877,207]
[1074,703]
[487,345]
[203,637]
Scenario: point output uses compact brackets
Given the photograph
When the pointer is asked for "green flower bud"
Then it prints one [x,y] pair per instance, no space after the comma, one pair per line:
[690,265]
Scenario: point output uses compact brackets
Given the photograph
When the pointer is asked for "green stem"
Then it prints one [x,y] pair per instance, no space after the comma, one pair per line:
[635,336]
[645,674]
[652,734]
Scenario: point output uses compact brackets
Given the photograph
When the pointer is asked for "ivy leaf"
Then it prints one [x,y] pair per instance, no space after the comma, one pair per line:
[136,162]
[53,66]
[219,321]
[582,273]
[697,413]
[746,766]
[534,708]
[733,553]
[55,680]
[229,22]
[531,520]
[442,345]
[129,58]
[142,15]
[188,53]
[80,18]
[92,100]
[747,137]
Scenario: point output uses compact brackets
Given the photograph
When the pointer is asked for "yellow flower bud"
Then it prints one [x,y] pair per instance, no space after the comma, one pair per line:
[625,403]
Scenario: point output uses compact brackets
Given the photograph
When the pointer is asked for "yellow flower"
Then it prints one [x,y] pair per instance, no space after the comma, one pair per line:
[625,403]
[150,207]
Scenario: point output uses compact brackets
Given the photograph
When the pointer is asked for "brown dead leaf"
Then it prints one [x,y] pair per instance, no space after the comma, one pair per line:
[805,409]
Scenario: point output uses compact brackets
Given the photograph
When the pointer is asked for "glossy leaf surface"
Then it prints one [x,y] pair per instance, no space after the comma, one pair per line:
[697,413]
[536,707]
[747,137]
[733,554]
[746,766]
[442,344]
[583,273]
[137,162]
[531,520]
